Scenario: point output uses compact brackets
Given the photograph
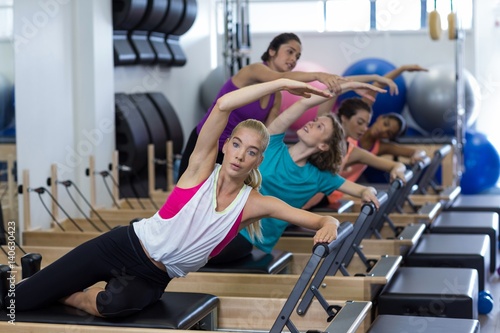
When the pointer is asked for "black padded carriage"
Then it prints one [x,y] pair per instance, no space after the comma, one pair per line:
[470,223]
[453,250]
[431,292]
[476,203]
[175,310]
[276,262]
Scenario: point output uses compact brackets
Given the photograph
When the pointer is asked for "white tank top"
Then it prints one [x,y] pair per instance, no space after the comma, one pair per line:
[184,242]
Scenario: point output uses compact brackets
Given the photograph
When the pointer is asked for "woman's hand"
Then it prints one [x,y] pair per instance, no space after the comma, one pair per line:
[327,233]
[413,68]
[369,194]
[304,89]
[361,88]
[419,155]
[398,171]
[385,81]
[332,82]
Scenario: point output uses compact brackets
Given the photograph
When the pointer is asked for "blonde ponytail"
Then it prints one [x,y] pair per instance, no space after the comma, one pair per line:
[254,180]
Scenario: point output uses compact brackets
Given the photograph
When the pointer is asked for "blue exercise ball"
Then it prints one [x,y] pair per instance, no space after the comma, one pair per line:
[384,103]
[481,164]
[432,99]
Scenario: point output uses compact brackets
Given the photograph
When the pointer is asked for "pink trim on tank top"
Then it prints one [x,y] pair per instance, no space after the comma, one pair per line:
[177,199]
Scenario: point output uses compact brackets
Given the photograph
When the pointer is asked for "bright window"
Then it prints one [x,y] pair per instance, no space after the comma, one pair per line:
[347,15]
[351,15]
[463,8]
[6,19]
[397,15]
[274,16]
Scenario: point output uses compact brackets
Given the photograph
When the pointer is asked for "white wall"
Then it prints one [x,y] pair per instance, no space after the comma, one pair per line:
[94,123]
[486,56]
[64,87]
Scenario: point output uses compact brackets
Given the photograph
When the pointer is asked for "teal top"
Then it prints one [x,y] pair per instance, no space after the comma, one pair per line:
[294,184]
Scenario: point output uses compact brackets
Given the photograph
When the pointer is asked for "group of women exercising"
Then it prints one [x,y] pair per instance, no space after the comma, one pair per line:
[240,186]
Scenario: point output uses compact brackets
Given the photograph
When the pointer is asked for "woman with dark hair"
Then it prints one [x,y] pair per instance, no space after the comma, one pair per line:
[278,61]
[379,137]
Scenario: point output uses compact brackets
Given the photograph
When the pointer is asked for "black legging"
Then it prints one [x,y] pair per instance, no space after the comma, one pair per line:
[237,248]
[188,150]
[115,257]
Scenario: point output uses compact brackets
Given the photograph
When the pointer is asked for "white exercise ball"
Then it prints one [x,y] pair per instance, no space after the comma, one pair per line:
[432,99]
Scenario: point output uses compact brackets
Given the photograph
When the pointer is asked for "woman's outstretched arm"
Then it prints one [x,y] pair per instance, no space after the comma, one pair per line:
[393,75]
[267,206]
[360,155]
[286,118]
[258,73]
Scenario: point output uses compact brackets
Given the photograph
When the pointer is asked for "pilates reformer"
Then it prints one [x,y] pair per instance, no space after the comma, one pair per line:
[441,257]
[379,239]
[461,214]
[325,258]
[67,232]
[397,218]
[199,309]
[427,187]
[77,231]
[430,145]
[425,191]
